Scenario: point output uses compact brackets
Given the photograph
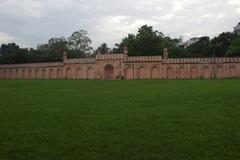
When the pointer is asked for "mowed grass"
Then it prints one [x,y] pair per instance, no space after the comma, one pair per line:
[120,120]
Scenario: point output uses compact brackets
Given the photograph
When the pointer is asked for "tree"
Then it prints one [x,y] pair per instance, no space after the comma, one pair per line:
[174,49]
[129,42]
[58,44]
[8,48]
[103,48]
[234,49]
[149,41]
[11,54]
[201,48]
[80,42]
[221,43]
[146,42]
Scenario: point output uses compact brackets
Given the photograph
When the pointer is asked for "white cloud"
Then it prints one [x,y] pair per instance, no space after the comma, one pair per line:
[238,10]
[168,16]
[177,6]
[35,21]
[233,2]
[5,38]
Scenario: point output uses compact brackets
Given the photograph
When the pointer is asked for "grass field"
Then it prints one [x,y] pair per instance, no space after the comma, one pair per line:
[120,120]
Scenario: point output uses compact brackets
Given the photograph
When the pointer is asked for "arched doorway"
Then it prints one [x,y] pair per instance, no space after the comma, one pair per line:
[30,74]
[59,73]
[69,74]
[129,73]
[109,72]
[141,73]
[37,74]
[90,73]
[219,73]
[51,74]
[155,73]
[170,73]
[182,73]
[206,73]
[79,74]
[194,73]
[44,74]
[232,73]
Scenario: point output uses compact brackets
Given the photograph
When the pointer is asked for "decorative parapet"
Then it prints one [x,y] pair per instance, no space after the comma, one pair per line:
[80,61]
[143,59]
[204,60]
[109,56]
[32,65]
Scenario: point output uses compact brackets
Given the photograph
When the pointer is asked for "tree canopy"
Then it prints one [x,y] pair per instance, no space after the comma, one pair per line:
[234,48]
[145,42]
[104,49]
[77,45]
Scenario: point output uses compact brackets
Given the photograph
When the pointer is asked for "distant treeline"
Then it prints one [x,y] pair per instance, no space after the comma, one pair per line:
[146,42]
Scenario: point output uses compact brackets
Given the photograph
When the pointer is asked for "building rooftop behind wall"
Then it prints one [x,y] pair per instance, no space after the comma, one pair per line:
[237,28]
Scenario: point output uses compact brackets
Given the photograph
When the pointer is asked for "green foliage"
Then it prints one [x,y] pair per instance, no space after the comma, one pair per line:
[80,42]
[58,45]
[146,42]
[119,120]
[129,42]
[234,49]
[11,53]
[221,43]
[77,45]
[174,49]
[201,48]
[103,48]
[8,48]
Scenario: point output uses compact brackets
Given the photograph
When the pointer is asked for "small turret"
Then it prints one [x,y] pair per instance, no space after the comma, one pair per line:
[64,57]
[125,51]
[165,53]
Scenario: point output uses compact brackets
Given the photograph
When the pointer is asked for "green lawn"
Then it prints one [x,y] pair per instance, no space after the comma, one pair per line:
[120,120]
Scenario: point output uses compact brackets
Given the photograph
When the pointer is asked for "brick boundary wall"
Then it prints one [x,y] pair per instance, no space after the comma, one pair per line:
[121,66]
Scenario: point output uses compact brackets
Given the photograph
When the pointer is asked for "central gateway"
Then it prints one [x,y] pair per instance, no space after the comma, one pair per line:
[108,72]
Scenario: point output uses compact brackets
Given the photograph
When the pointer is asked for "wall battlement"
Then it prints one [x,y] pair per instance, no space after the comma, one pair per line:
[204,60]
[81,61]
[121,66]
[109,56]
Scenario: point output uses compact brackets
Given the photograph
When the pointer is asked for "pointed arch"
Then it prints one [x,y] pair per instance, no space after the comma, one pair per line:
[182,73]
[194,73]
[30,74]
[59,73]
[44,74]
[232,72]
[169,73]
[37,74]
[155,72]
[219,72]
[142,73]
[206,73]
[108,72]
[79,73]
[129,73]
[11,74]
[69,73]
[24,73]
[90,73]
[51,73]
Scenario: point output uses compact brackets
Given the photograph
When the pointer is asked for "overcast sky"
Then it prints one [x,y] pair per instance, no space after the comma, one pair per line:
[32,22]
